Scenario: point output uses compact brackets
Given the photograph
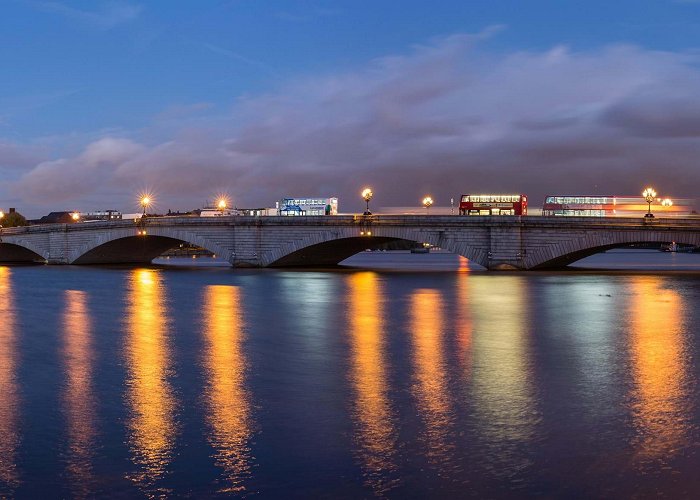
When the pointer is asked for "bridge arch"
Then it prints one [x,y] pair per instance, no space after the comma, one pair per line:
[564,253]
[20,251]
[126,246]
[330,247]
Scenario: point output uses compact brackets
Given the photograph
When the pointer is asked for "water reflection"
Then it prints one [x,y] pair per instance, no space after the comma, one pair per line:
[660,366]
[465,322]
[9,433]
[502,373]
[78,397]
[375,434]
[308,297]
[226,395]
[434,403]
[582,317]
[149,396]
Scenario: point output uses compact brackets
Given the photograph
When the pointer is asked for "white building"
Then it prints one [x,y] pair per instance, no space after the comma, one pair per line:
[216,212]
[307,206]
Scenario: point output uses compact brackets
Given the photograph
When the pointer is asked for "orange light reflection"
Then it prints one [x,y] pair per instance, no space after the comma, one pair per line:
[78,397]
[465,323]
[149,395]
[376,435]
[226,395]
[659,359]
[9,434]
[431,393]
[463,265]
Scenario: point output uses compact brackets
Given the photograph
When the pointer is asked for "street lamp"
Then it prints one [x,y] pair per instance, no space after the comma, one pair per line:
[667,203]
[145,202]
[427,201]
[222,205]
[367,195]
[75,216]
[649,195]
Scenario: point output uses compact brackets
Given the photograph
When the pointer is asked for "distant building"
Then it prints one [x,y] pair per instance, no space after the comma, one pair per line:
[217,212]
[253,212]
[192,213]
[102,215]
[257,212]
[55,218]
[132,216]
[307,206]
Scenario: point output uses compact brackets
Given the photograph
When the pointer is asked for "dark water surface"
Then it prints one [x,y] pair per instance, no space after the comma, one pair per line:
[205,382]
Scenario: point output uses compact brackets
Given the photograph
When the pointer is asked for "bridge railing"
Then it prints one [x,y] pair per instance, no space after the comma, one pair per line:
[377,219]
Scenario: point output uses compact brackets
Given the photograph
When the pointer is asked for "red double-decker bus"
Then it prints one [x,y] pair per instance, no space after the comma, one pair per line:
[493,204]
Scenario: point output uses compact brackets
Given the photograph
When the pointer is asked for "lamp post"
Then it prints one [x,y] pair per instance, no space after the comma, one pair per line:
[221,205]
[427,201]
[145,202]
[667,203]
[649,195]
[367,195]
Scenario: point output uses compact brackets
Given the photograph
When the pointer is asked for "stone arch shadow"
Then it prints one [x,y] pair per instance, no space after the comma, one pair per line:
[19,253]
[330,249]
[568,254]
[125,246]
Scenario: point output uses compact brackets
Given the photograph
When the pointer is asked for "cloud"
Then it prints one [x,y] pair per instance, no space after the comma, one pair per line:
[66,179]
[446,118]
[108,16]
[15,156]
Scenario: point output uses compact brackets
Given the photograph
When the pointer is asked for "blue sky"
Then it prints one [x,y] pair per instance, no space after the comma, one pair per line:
[90,88]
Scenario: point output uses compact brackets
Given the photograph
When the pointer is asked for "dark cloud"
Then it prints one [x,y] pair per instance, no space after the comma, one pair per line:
[659,118]
[445,119]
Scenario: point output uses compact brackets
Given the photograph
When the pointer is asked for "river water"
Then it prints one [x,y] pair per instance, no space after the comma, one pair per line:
[421,377]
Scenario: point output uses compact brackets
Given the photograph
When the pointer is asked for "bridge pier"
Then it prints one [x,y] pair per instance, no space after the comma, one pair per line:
[506,252]
[57,262]
[58,243]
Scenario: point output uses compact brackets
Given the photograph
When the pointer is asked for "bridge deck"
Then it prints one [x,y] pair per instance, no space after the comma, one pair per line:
[513,242]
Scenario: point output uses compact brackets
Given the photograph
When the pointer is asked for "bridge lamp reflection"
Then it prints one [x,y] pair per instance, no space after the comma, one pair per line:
[427,202]
[649,194]
[367,195]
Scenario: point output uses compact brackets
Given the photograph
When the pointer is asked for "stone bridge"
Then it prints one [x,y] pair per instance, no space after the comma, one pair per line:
[493,242]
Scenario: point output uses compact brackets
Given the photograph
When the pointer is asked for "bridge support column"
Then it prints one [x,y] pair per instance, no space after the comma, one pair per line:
[247,249]
[506,251]
[58,248]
